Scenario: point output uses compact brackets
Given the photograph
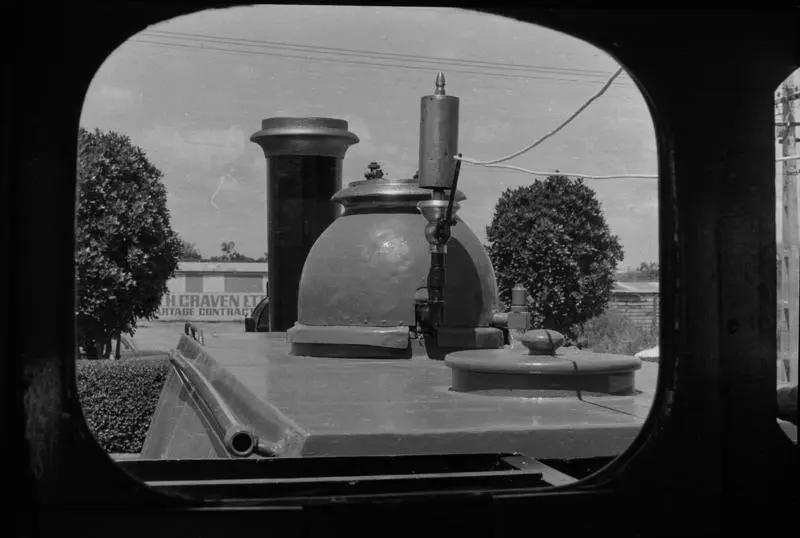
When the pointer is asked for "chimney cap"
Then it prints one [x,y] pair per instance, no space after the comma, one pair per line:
[315,136]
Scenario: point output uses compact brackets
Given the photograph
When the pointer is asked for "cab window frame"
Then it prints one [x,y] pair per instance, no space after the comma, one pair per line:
[716,387]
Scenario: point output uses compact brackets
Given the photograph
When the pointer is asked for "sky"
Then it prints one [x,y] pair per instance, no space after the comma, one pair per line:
[192,109]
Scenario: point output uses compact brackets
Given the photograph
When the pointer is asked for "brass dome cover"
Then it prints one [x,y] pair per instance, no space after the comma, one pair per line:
[360,279]
[372,194]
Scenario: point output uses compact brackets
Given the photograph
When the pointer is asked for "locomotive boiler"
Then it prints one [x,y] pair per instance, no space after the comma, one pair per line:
[384,332]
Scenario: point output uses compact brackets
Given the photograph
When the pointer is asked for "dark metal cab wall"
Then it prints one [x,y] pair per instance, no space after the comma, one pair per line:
[712,445]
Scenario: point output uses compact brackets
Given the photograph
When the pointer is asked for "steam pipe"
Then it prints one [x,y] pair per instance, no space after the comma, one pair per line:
[449,220]
[438,234]
[438,171]
[238,439]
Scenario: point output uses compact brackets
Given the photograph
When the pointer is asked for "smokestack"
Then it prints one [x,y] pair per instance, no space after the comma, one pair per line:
[304,170]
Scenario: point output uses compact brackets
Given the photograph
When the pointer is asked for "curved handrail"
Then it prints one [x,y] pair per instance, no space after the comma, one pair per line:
[238,439]
[190,329]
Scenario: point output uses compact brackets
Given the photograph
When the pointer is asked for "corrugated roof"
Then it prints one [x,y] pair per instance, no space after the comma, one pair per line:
[222,267]
[635,287]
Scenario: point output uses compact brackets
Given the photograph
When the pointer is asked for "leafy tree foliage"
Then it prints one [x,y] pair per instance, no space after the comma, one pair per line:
[650,269]
[189,252]
[230,254]
[228,249]
[551,237]
[647,271]
[126,250]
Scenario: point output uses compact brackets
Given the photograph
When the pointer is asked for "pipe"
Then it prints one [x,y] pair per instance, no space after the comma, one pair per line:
[438,170]
[196,334]
[237,438]
[304,170]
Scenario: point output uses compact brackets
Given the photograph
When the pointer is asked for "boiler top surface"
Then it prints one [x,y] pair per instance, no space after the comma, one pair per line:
[401,407]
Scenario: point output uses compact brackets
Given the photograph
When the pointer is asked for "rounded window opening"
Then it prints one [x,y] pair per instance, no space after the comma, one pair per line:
[323,227]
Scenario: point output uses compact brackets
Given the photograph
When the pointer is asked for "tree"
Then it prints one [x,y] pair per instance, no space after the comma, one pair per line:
[649,270]
[551,237]
[189,252]
[126,250]
[229,249]
[229,254]
[646,271]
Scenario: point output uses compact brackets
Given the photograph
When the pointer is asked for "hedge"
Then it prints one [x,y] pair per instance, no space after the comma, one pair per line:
[119,398]
[612,332]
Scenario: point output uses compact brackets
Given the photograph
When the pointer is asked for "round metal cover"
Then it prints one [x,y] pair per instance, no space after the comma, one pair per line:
[561,372]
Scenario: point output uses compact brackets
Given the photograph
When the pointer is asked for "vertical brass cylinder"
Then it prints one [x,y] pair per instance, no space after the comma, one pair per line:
[438,138]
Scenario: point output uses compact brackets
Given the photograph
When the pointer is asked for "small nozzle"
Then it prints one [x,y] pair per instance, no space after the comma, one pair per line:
[439,84]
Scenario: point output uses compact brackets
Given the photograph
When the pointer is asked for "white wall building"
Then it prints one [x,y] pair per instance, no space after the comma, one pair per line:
[213,291]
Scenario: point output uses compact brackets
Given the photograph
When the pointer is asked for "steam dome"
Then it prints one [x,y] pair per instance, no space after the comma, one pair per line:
[362,276]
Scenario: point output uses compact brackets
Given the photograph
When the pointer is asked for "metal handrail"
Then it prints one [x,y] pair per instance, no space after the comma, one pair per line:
[195,332]
[238,439]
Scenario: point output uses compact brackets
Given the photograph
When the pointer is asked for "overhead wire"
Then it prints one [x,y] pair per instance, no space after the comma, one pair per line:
[355,62]
[587,176]
[563,124]
[572,174]
[374,54]
[494,163]
[416,58]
